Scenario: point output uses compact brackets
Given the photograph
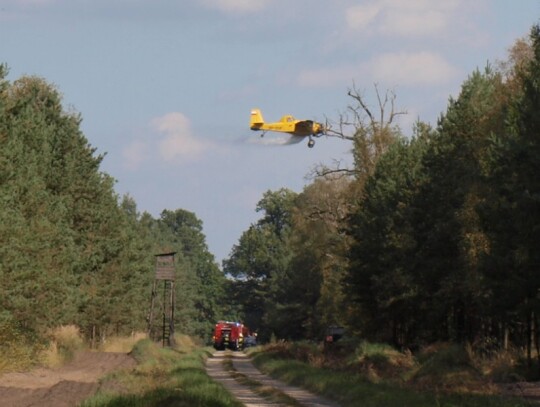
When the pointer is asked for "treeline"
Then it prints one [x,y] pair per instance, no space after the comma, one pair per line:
[433,237]
[71,250]
[426,238]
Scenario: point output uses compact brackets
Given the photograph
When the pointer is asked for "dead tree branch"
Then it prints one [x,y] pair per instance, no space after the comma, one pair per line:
[371,135]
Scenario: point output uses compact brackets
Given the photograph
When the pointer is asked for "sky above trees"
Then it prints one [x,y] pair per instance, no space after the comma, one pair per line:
[165,88]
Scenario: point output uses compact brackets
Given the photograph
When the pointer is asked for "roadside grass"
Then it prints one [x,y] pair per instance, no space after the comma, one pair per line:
[21,349]
[123,344]
[353,387]
[163,377]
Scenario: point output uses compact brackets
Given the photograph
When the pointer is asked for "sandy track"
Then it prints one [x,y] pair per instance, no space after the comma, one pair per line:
[63,387]
[216,370]
[242,364]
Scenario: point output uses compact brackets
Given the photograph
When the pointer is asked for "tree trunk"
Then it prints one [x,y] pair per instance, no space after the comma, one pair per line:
[506,334]
[93,339]
[536,339]
[529,339]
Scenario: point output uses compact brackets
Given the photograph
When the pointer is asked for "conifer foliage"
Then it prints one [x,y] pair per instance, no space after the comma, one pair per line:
[72,252]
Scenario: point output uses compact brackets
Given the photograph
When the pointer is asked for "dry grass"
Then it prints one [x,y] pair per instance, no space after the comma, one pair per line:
[19,350]
[502,367]
[67,336]
[441,375]
[441,367]
[50,356]
[65,340]
[122,344]
[185,342]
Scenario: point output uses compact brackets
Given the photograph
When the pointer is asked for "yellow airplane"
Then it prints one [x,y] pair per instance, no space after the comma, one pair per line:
[288,124]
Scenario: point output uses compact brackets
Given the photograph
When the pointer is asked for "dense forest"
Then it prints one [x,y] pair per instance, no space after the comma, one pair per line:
[430,237]
[72,251]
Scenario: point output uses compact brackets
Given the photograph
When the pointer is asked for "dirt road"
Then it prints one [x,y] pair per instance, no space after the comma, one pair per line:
[63,387]
[216,370]
[241,363]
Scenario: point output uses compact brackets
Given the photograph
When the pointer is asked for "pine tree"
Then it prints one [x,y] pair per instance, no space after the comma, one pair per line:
[513,213]
[448,227]
[381,279]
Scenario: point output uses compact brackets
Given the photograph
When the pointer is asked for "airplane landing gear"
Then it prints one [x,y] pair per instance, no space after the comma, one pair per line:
[311,143]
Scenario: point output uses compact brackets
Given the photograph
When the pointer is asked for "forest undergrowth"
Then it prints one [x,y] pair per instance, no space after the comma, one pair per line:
[377,374]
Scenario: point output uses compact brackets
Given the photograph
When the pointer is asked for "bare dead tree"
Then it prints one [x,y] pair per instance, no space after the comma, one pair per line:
[336,170]
[371,134]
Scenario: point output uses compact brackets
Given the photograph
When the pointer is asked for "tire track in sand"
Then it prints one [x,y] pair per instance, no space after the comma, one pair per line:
[242,364]
[215,368]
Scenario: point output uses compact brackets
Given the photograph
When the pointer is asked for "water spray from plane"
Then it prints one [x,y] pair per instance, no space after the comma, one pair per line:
[276,140]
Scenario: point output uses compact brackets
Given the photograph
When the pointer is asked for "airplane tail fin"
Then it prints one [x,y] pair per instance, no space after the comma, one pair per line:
[256,120]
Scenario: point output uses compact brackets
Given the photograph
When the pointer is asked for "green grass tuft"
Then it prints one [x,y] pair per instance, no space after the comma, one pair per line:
[163,377]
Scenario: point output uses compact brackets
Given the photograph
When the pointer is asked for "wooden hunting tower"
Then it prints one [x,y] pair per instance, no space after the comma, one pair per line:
[162,302]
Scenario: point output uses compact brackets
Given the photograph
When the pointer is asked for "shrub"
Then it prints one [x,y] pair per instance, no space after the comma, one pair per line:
[378,361]
[65,340]
[449,368]
[503,367]
[20,349]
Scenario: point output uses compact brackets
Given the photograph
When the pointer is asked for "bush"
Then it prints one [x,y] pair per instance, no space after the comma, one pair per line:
[303,351]
[20,349]
[144,349]
[65,340]
[378,361]
[448,357]
[449,368]
[504,367]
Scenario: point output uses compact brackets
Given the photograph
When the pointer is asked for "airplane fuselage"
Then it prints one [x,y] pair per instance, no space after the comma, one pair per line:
[287,124]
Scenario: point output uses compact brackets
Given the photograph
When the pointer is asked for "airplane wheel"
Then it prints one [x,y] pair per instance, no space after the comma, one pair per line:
[311,143]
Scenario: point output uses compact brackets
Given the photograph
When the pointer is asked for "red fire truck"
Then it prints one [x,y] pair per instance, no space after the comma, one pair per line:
[229,335]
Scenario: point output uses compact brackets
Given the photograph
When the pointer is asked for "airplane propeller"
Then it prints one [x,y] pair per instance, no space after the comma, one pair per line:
[318,130]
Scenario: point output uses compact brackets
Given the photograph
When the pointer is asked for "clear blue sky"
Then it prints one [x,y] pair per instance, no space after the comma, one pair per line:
[165,87]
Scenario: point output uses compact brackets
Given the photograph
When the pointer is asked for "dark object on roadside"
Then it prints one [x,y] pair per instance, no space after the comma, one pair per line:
[250,340]
[333,334]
